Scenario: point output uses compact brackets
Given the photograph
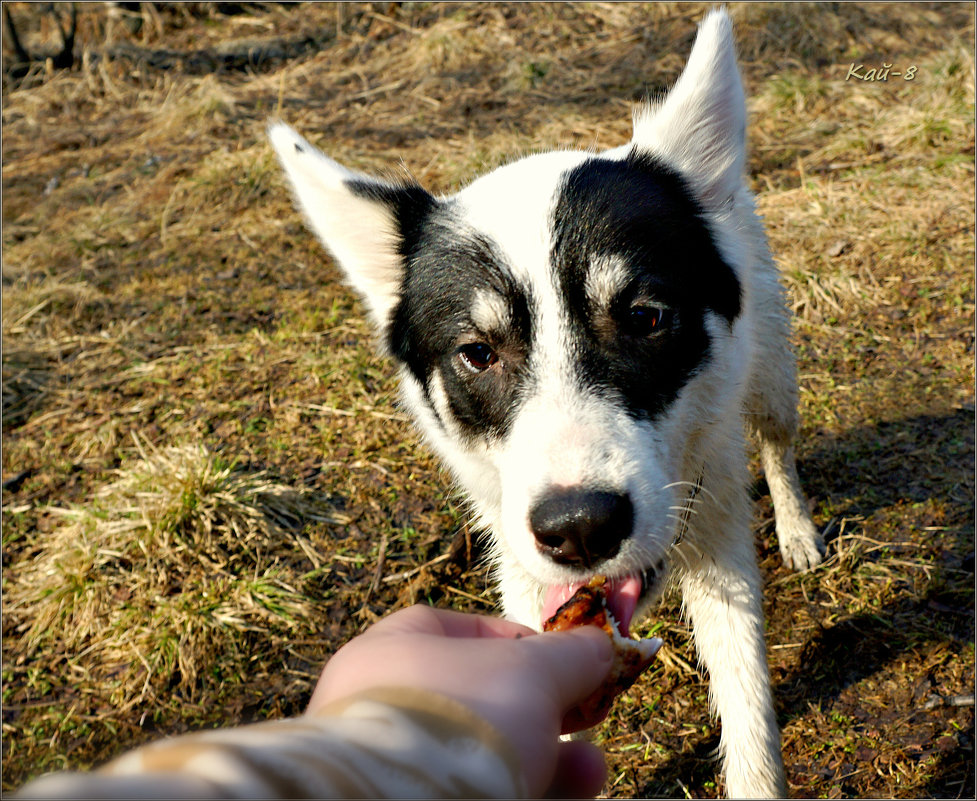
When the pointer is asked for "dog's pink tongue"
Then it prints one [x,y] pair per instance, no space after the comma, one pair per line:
[622,599]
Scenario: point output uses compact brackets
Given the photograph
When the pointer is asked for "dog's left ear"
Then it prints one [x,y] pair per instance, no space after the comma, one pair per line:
[700,127]
[363,221]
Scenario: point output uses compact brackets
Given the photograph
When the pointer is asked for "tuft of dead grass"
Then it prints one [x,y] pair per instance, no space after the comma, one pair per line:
[164,566]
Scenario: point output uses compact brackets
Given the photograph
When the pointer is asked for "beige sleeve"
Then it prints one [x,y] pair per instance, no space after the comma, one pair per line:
[383,743]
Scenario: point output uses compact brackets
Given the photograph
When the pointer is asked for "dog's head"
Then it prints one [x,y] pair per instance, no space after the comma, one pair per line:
[566,327]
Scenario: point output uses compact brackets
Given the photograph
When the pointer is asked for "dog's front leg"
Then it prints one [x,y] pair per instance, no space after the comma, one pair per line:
[721,589]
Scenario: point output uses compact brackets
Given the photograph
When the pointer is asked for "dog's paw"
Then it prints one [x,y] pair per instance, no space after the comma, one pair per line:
[801,544]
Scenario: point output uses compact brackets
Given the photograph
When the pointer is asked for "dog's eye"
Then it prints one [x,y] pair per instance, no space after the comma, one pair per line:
[643,321]
[477,356]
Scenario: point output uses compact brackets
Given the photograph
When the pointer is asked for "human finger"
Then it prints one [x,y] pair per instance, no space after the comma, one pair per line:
[575,662]
[421,618]
[580,771]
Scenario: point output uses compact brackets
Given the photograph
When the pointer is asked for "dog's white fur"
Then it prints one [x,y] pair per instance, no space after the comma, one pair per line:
[565,436]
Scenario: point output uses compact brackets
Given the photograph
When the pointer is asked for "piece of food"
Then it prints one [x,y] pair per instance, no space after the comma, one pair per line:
[588,607]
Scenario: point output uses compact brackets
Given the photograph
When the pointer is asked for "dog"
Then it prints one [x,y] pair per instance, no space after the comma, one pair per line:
[587,340]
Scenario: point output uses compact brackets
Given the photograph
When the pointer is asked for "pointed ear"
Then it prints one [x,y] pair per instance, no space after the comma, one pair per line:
[362,221]
[700,127]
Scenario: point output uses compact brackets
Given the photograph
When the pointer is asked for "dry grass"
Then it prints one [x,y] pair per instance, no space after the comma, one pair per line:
[182,552]
[207,484]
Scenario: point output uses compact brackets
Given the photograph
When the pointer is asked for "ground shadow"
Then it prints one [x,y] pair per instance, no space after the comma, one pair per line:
[925,459]
[861,472]
[908,461]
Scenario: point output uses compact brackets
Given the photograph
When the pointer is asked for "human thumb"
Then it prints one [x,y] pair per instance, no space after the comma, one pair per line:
[576,662]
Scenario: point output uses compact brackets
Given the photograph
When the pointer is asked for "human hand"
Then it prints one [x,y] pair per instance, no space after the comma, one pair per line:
[525,684]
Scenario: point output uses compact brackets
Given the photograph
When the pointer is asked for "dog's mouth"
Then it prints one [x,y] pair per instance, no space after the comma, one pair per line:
[624,594]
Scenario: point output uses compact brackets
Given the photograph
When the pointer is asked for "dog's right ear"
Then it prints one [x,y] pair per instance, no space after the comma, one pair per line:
[700,127]
[362,221]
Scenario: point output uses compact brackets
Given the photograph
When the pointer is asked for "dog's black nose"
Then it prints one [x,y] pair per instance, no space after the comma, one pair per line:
[581,527]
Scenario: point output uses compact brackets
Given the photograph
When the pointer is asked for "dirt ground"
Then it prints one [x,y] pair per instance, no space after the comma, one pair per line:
[208,485]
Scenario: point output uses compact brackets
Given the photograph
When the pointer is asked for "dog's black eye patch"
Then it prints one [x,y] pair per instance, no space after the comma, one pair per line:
[641,211]
[447,267]
[644,342]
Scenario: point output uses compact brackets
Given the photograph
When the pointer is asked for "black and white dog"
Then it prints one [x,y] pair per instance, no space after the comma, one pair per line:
[582,337]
